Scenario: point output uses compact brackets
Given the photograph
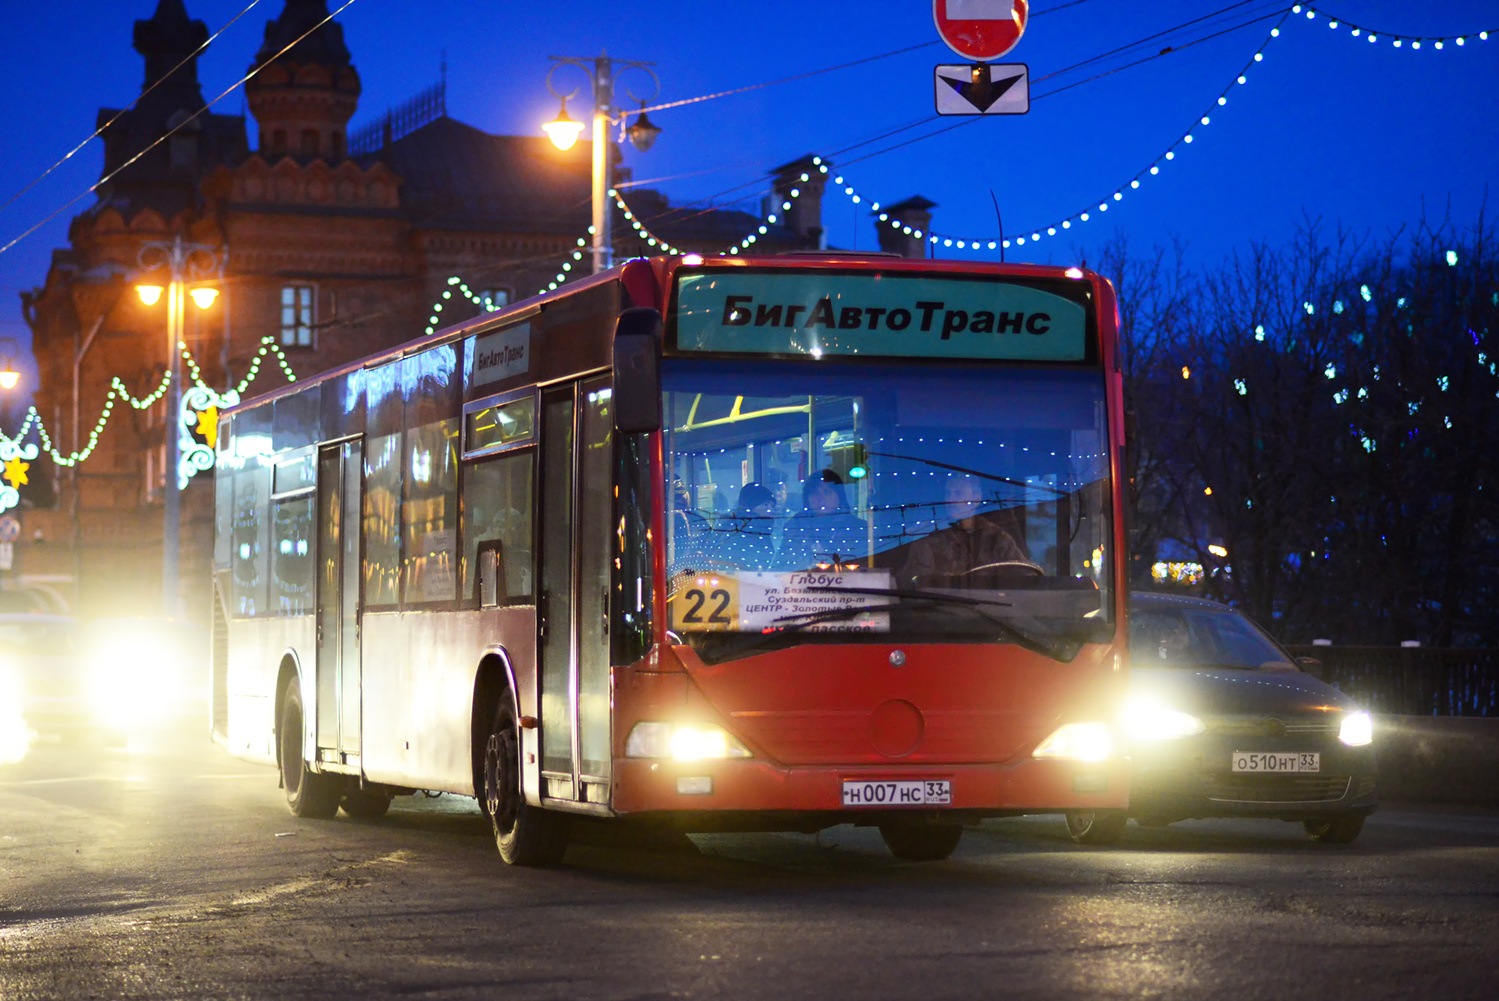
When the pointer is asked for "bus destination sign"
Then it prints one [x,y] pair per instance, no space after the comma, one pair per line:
[918,316]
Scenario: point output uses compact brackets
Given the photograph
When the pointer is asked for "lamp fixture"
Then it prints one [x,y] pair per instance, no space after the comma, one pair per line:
[643,131]
[150,294]
[563,130]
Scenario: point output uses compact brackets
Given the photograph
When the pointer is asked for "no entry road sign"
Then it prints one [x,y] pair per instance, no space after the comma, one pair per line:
[980,30]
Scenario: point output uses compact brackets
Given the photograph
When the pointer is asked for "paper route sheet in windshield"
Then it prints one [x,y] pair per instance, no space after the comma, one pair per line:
[754,602]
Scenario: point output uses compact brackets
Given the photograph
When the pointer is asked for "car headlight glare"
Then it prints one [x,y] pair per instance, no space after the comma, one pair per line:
[1357,729]
[683,742]
[1078,742]
[1147,720]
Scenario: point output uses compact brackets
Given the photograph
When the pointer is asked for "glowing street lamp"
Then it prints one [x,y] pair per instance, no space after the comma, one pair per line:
[9,377]
[150,294]
[563,130]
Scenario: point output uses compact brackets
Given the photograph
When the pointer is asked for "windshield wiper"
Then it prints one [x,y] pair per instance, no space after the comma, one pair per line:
[1062,652]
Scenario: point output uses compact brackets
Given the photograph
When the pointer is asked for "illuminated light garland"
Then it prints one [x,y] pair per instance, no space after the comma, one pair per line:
[1152,169]
[752,237]
[197,401]
[1398,41]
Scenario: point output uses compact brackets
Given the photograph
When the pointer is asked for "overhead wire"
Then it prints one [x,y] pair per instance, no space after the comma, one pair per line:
[122,112]
[708,201]
[174,130]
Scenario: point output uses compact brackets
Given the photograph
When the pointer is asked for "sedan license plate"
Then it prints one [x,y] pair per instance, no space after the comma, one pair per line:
[1277,762]
[921,792]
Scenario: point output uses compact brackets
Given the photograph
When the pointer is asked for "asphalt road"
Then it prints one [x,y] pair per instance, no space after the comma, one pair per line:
[170,870]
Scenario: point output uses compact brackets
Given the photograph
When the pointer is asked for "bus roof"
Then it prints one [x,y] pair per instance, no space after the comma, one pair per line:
[662,268]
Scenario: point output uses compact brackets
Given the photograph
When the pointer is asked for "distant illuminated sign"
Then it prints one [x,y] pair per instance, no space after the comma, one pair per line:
[816,314]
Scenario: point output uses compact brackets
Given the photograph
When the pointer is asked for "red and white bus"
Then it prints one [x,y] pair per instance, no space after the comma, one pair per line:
[727,543]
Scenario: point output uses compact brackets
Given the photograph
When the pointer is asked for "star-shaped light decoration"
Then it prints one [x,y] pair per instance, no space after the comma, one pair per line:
[208,426]
[15,472]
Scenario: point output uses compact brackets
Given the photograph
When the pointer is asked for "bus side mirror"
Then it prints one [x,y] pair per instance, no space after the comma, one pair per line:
[637,371]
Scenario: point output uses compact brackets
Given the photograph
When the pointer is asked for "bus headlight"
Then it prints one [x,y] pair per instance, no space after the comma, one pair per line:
[683,742]
[15,735]
[1357,729]
[1078,742]
[1147,720]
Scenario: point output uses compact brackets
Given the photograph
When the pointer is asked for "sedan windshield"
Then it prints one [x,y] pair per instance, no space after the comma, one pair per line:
[825,502]
[1201,637]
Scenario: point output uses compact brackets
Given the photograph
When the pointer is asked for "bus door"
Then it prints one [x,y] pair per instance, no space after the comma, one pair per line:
[576,510]
[339,483]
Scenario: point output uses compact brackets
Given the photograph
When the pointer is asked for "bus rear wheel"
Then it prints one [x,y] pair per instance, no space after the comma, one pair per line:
[525,834]
[921,842]
[308,794]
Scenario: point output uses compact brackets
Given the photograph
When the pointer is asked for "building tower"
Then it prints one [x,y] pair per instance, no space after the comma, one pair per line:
[303,97]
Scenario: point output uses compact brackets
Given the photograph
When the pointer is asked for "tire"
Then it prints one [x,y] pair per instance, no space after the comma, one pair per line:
[364,804]
[1340,830]
[308,794]
[526,835]
[1096,827]
[921,842]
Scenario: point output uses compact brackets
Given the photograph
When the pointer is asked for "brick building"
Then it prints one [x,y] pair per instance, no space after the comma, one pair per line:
[328,245]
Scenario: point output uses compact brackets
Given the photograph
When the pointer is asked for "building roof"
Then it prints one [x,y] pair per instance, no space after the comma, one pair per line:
[453,174]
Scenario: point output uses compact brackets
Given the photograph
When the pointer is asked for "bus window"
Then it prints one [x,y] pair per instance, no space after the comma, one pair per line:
[382,488]
[252,499]
[429,388]
[382,521]
[431,511]
[497,508]
[291,556]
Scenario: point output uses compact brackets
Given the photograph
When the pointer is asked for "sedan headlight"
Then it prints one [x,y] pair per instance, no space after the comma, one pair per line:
[1147,720]
[1357,729]
[683,742]
[1078,742]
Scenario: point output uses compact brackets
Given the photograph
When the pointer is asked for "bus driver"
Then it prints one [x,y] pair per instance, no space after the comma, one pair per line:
[964,541]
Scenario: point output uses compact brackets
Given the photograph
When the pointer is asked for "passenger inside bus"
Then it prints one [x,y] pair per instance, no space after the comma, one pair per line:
[747,537]
[825,531]
[966,543]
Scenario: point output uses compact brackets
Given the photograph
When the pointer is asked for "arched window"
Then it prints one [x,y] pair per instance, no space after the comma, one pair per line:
[278,141]
[310,142]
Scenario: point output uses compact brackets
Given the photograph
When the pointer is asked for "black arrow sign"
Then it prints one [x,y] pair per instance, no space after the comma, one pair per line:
[983,92]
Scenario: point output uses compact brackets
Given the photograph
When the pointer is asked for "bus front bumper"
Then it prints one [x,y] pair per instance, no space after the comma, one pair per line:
[762,795]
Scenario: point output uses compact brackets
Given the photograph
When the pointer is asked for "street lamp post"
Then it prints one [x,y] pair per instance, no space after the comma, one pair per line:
[564,132]
[185,261]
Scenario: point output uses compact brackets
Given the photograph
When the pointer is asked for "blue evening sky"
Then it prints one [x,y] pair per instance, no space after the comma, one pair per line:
[1328,124]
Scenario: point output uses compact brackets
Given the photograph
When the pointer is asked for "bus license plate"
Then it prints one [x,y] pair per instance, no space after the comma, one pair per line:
[1277,762]
[922,792]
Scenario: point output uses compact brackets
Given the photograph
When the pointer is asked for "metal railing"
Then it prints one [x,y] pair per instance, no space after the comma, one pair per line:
[404,119]
[1413,681]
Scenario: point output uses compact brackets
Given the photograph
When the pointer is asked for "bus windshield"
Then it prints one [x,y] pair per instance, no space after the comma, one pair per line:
[892,502]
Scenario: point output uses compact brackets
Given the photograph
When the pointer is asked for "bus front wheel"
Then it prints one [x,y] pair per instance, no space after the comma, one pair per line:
[308,793]
[921,842]
[525,834]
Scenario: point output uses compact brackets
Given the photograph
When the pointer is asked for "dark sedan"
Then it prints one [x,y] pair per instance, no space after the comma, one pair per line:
[1222,722]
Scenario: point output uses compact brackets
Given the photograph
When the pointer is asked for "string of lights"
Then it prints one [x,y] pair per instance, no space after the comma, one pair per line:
[201,392]
[1398,41]
[1150,170]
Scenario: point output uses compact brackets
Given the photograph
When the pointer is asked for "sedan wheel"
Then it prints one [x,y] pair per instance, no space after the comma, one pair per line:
[1334,830]
[1096,827]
